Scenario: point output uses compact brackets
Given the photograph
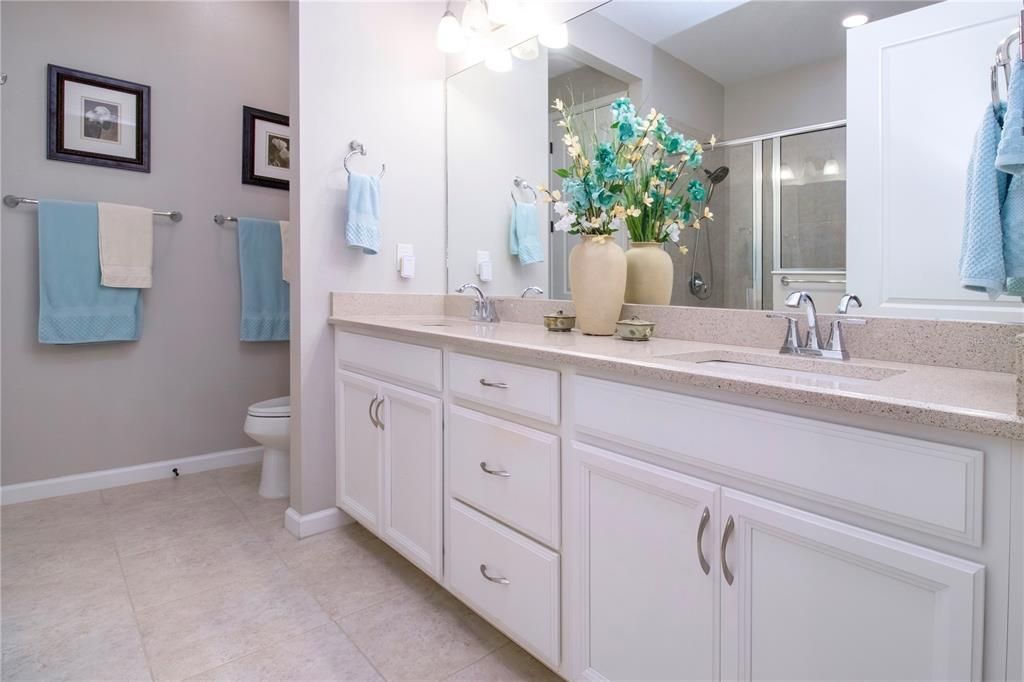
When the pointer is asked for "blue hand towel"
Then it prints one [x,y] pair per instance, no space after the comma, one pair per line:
[363,229]
[982,265]
[1013,236]
[522,234]
[264,292]
[1010,155]
[73,306]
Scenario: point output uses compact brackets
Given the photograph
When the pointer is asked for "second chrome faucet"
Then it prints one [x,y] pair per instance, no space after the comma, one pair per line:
[810,345]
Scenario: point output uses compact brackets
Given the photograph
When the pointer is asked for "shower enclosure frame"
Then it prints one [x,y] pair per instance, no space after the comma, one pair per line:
[756,143]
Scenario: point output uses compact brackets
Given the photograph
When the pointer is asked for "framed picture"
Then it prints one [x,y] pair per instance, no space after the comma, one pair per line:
[266,148]
[97,120]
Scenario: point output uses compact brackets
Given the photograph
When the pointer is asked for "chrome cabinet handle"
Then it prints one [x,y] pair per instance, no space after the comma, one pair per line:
[493,384]
[372,420]
[494,472]
[380,422]
[729,525]
[704,519]
[500,581]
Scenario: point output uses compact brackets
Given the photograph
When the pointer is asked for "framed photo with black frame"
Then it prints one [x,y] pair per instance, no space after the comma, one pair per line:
[266,148]
[97,120]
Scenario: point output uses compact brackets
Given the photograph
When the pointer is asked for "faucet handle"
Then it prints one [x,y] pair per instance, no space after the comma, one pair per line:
[836,343]
[792,342]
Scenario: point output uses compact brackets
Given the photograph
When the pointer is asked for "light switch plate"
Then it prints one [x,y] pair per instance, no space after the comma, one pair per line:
[402,250]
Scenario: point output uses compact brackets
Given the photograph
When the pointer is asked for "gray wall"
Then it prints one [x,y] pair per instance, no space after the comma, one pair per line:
[183,388]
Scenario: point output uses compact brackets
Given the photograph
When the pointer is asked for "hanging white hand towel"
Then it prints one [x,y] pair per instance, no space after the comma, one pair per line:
[126,246]
[286,250]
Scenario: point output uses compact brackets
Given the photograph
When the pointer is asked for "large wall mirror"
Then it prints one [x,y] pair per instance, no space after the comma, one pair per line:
[840,161]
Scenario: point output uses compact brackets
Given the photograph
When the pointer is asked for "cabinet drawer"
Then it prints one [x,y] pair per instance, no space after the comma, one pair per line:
[922,485]
[519,592]
[520,483]
[403,362]
[527,391]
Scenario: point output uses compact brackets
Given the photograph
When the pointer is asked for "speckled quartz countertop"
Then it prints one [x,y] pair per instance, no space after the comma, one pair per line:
[962,399]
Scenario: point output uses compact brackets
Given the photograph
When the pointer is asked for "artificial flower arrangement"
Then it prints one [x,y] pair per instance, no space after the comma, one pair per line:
[626,182]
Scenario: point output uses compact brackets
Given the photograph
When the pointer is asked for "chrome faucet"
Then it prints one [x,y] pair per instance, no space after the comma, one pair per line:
[484,309]
[535,290]
[810,345]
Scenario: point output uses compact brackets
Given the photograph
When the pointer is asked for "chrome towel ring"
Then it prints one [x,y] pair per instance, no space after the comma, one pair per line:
[357,147]
[520,183]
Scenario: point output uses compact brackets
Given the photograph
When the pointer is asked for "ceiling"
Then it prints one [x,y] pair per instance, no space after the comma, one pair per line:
[737,41]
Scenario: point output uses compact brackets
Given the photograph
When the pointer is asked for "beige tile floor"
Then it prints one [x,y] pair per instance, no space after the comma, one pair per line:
[196,578]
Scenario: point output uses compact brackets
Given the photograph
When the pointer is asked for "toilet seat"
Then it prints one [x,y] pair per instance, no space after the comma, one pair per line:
[273,408]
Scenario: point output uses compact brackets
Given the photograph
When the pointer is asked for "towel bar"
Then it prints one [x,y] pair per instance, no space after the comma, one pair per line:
[11,201]
[220,219]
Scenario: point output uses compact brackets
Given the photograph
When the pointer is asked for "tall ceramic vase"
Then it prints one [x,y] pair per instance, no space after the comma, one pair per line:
[648,274]
[597,275]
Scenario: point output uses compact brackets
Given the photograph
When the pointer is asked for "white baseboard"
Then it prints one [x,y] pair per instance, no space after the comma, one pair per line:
[111,478]
[304,525]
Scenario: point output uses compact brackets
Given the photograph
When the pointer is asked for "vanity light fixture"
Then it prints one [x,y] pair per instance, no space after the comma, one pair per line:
[855,20]
[785,172]
[499,60]
[450,37]
[831,167]
[554,37]
[474,17]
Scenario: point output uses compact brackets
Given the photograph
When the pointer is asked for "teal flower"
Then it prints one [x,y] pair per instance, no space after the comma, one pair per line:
[604,198]
[696,190]
[627,130]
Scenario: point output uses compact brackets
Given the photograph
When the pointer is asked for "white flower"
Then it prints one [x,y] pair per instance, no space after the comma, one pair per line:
[633,212]
[561,208]
[565,222]
[648,200]
[558,105]
[673,232]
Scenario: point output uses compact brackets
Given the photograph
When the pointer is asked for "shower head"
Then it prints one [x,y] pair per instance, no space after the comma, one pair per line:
[716,176]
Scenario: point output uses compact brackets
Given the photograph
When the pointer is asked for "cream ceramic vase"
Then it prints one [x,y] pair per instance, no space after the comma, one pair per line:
[597,276]
[648,274]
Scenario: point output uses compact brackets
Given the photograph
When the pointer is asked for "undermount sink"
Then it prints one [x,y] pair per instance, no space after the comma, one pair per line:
[785,367]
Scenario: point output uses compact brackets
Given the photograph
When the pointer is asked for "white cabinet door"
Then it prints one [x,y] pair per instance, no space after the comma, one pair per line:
[358,440]
[815,599]
[640,552]
[411,523]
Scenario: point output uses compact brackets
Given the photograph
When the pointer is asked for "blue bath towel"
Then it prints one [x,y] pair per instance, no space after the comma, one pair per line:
[982,264]
[264,291]
[1010,154]
[363,228]
[73,306]
[522,234]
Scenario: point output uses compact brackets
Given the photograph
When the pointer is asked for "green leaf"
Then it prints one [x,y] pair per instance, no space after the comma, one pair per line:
[563,172]
[614,125]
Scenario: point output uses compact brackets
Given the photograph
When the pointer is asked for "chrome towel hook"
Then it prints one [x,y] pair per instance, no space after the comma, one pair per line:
[357,147]
[520,183]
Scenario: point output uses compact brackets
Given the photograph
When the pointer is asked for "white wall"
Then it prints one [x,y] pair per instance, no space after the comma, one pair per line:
[497,129]
[366,71]
[183,388]
[805,95]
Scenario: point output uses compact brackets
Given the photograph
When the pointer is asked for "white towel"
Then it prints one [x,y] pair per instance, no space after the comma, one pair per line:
[126,246]
[286,250]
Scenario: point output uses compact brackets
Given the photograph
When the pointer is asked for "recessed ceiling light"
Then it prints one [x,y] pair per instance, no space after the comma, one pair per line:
[855,20]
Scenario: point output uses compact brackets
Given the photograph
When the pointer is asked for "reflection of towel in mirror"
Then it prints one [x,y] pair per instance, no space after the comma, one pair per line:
[1010,154]
[363,229]
[522,234]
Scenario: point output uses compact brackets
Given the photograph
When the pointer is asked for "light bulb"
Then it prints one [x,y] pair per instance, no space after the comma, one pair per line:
[499,60]
[450,37]
[526,51]
[474,17]
[855,20]
[503,11]
[555,37]
[785,172]
[831,167]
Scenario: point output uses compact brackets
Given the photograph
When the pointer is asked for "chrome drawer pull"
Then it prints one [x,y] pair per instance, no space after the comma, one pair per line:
[372,420]
[500,581]
[493,384]
[494,472]
[704,518]
[729,525]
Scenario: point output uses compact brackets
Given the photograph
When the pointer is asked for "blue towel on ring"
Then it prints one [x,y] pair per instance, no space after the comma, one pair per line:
[265,309]
[522,234]
[73,306]
[363,228]
[982,264]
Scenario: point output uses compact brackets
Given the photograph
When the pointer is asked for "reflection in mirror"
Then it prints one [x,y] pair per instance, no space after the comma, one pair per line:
[792,209]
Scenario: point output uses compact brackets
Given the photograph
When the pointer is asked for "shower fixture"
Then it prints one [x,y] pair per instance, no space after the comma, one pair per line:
[698,286]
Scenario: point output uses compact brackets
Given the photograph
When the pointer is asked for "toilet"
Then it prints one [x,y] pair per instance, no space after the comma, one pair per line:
[267,424]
